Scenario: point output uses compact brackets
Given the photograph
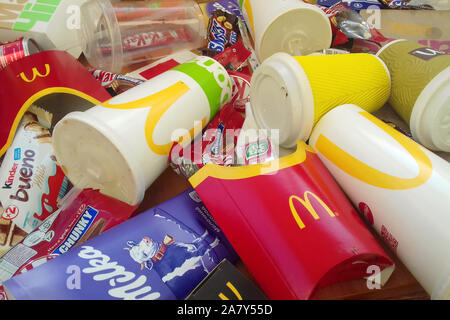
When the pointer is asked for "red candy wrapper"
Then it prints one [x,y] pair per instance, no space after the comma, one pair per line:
[348,24]
[240,90]
[16,50]
[81,216]
[153,39]
[235,57]
[216,145]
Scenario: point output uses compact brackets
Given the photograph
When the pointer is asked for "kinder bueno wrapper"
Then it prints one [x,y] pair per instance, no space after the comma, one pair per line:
[290,223]
[32,182]
[223,31]
[83,215]
[216,145]
[163,253]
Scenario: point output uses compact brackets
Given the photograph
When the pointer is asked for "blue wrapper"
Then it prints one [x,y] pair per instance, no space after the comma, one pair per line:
[354,5]
[163,253]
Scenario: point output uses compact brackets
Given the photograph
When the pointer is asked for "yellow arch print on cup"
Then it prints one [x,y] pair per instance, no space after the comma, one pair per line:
[372,176]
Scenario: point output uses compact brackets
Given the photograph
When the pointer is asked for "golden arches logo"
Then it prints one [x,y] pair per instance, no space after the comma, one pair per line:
[374,177]
[233,289]
[306,202]
[36,74]
[159,103]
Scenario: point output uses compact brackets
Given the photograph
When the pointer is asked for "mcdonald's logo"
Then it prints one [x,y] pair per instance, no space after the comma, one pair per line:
[233,289]
[306,202]
[367,174]
[36,73]
[159,103]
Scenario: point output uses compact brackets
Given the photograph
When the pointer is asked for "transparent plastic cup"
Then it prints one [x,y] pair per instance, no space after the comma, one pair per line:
[115,34]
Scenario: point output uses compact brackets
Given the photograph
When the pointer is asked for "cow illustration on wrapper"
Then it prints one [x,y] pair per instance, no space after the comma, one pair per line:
[175,262]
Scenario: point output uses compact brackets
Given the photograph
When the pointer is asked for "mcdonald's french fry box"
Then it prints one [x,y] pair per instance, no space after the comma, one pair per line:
[291,224]
[53,79]
[400,187]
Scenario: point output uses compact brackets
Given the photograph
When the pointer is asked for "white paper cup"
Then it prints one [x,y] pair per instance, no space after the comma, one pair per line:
[401,188]
[290,26]
[121,146]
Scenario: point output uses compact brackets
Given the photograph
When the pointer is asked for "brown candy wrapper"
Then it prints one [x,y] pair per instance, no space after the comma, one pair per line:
[223,32]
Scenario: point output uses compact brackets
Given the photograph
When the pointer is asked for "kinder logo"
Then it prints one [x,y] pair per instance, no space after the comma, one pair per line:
[80,228]
[219,37]
[12,173]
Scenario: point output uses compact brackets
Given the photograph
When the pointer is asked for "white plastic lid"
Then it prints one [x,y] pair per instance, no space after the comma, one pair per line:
[100,36]
[281,98]
[299,31]
[95,160]
[430,118]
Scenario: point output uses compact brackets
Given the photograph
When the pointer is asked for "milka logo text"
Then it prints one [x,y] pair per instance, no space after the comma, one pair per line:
[126,285]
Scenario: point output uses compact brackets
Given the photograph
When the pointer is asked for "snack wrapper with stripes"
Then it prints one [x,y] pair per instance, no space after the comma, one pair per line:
[31,182]
[83,214]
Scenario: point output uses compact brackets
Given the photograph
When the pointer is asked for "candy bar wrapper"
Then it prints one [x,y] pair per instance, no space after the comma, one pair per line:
[234,58]
[348,24]
[226,282]
[115,83]
[223,32]
[32,182]
[353,4]
[216,145]
[163,253]
[83,214]
[240,90]
[228,6]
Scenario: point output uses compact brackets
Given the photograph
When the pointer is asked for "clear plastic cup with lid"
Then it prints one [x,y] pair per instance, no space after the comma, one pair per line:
[115,34]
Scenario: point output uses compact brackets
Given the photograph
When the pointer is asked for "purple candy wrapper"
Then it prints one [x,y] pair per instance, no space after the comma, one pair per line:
[163,253]
[229,6]
[356,5]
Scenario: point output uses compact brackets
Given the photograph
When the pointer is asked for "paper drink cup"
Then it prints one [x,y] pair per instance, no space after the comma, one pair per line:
[420,90]
[121,146]
[290,26]
[292,93]
[400,187]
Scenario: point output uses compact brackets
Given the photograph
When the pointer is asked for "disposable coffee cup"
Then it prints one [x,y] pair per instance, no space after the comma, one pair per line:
[116,34]
[401,188]
[290,26]
[292,93]
[121,146]
[420,90]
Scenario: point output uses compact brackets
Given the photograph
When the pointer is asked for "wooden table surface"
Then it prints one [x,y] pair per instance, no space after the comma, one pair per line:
[401,286]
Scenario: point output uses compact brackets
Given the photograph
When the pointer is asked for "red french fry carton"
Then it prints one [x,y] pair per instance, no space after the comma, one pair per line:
[40,75]
[291,224]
